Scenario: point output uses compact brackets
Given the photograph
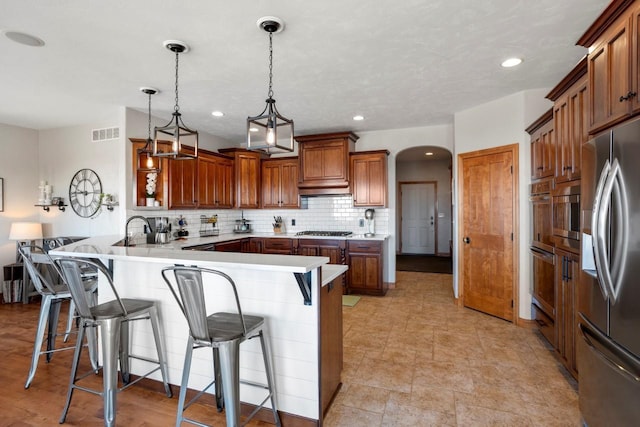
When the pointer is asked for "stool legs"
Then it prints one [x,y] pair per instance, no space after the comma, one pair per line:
[45,306]
[74,372]
[230,363]
[110,333]
[184,384]
[158,338]
[268,367]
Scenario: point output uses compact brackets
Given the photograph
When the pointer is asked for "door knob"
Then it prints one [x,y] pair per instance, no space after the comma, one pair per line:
[467,240]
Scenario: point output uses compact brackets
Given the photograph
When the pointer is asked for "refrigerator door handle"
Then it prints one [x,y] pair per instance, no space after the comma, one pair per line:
[597,233]
[620,244]
[629,367]
[613,183]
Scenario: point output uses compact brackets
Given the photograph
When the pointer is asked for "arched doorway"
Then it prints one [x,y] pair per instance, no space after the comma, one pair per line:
[424,209]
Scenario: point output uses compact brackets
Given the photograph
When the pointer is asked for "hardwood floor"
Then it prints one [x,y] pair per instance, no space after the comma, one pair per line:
[412,358]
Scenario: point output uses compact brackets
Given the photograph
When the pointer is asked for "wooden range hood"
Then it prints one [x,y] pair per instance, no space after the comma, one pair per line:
[324,163]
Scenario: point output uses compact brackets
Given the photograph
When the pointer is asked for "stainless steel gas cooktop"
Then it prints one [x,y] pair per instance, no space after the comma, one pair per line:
[324,233]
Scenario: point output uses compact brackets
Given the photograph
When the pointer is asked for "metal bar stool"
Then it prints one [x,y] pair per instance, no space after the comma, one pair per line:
[222,332]
[53,293]
[112,318]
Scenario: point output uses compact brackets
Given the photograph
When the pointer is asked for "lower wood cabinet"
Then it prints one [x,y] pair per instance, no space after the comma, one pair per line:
[280,246]
[567,278]
[231,245]
[364,258]
[331,347]
[334,249]
[365,267]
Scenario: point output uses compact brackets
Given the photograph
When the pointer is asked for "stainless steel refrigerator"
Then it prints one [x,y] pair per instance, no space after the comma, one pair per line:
[609,294]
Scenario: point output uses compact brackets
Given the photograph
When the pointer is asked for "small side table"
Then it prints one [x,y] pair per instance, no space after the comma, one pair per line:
[13,283]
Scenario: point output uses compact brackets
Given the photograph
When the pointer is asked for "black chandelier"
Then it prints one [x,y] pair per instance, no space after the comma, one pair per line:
[175,140]
[270,131]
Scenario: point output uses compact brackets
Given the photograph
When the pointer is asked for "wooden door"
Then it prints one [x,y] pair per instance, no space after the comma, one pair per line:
[488,182]
[418,218]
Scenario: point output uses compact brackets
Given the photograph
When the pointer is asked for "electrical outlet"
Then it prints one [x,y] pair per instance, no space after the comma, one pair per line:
[293,222]
[361,222]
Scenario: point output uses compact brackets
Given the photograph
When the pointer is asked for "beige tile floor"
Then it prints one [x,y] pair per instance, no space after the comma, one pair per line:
[413,358]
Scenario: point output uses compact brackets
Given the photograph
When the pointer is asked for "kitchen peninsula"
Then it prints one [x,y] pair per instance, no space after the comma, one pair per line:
[304,331]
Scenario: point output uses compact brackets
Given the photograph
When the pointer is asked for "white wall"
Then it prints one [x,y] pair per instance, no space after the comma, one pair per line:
[62,153]
[19,169]
[438,171]
[497,123]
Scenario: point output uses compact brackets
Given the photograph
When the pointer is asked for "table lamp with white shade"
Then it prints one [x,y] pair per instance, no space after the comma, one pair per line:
[24,233]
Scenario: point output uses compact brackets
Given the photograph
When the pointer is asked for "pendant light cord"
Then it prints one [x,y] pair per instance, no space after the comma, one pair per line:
[149,120]
[176,108]
[270,93]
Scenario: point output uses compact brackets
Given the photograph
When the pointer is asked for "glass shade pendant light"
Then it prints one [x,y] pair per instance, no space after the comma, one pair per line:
[270,131]
[175,140]
[145,154]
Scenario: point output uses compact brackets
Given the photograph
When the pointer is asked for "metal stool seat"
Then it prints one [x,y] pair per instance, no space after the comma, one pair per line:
[222,332]
[113,319]
[53,294]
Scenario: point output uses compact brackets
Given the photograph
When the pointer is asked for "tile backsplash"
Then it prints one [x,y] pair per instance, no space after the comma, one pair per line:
[330,213]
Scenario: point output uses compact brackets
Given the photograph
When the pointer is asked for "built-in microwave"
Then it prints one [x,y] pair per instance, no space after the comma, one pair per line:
[565,216]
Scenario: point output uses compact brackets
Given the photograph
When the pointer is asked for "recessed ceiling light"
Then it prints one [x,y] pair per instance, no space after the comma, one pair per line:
[24,38]
[358,118]
[253,129]
[511,62]
[217,114]
[428,153]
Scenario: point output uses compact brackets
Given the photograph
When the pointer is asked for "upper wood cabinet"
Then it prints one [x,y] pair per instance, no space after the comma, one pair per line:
[280,183]
[205,182]
[183,184]
[570,122]
[324,163]
[543,152]
[613,65]
[247,177]
[215,181]
[369,178]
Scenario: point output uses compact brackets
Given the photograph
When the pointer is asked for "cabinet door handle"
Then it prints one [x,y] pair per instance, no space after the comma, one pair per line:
[467,240]
[628,96]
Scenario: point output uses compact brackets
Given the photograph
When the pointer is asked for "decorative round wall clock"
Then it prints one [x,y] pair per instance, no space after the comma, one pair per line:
[84,193]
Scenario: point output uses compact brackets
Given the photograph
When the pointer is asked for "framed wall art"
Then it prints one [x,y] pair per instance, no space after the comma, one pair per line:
[1,194]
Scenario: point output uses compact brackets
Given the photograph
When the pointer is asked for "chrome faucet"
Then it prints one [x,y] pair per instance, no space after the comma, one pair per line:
[126,227]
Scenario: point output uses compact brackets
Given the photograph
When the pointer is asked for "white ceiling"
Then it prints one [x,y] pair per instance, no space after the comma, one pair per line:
[400,64]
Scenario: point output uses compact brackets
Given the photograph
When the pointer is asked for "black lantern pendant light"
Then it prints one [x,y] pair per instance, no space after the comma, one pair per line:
[270,131]
[175,140]
[145,159]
